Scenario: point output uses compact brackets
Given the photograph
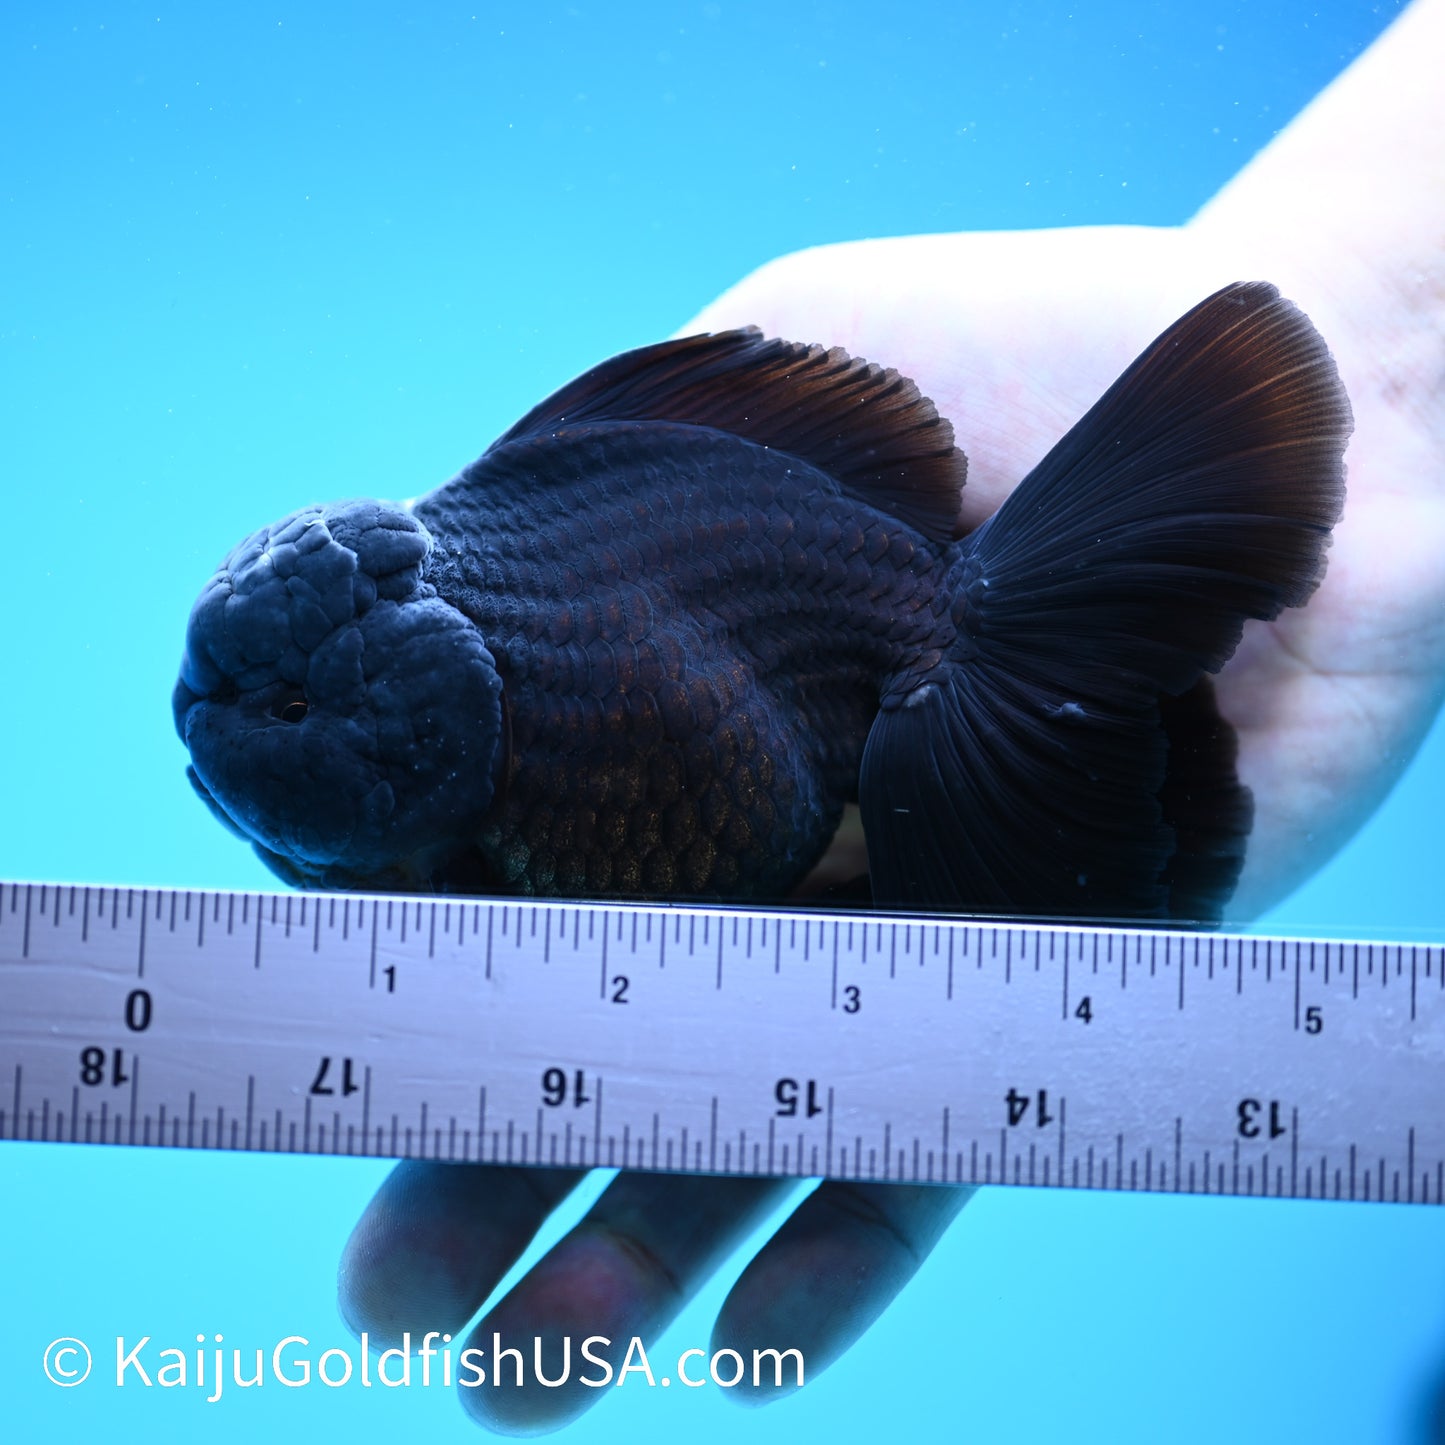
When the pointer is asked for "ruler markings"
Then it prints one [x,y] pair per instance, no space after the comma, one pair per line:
[223,1050]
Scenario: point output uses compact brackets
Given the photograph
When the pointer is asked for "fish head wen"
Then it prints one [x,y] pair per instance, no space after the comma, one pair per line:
[338,713]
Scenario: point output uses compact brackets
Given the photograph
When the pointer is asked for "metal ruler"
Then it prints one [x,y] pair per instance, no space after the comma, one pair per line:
[723,1040]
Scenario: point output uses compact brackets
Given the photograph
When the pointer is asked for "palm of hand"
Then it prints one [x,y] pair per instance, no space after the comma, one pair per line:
[1015,335]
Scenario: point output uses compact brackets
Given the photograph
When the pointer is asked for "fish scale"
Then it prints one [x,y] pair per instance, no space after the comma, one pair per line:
[761,594]
[659,634]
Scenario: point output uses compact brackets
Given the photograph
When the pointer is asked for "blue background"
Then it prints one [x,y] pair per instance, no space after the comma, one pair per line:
[258,257]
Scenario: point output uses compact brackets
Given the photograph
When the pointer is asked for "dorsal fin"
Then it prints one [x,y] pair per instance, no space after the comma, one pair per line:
[867,427]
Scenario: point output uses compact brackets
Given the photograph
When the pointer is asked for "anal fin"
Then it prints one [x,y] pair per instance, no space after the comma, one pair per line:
[987,793]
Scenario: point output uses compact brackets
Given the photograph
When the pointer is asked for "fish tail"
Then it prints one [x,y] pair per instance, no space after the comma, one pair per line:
[1065,756]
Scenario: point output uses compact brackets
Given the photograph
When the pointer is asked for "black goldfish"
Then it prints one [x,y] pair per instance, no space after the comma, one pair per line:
[686,609]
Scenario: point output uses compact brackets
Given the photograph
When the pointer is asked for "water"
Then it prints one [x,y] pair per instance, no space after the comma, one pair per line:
[257,258]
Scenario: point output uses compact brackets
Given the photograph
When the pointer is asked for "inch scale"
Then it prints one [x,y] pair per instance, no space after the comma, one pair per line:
[723,1040]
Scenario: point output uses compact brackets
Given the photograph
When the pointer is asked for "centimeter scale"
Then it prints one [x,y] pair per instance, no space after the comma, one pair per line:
[723,1040]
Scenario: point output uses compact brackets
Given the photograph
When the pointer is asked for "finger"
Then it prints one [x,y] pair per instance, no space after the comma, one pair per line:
[841,866]
[435,1240]
[827,1274]
[641,1252]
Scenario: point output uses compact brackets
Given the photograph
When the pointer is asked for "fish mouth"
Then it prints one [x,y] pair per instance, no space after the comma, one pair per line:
[426,871]
[183,699]
[289,869]
[218,810]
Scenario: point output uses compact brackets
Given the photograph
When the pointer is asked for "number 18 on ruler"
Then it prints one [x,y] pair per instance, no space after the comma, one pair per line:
[723,1040]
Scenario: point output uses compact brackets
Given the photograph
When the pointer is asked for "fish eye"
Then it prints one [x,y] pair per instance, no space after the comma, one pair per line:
[292,710]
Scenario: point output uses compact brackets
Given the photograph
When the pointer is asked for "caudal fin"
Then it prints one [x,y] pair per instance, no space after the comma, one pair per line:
[1057,761]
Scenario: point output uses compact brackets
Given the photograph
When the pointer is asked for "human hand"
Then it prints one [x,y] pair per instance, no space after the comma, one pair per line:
[1014,336]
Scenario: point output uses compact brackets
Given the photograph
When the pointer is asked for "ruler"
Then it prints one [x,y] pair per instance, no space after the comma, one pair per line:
[723,1040]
